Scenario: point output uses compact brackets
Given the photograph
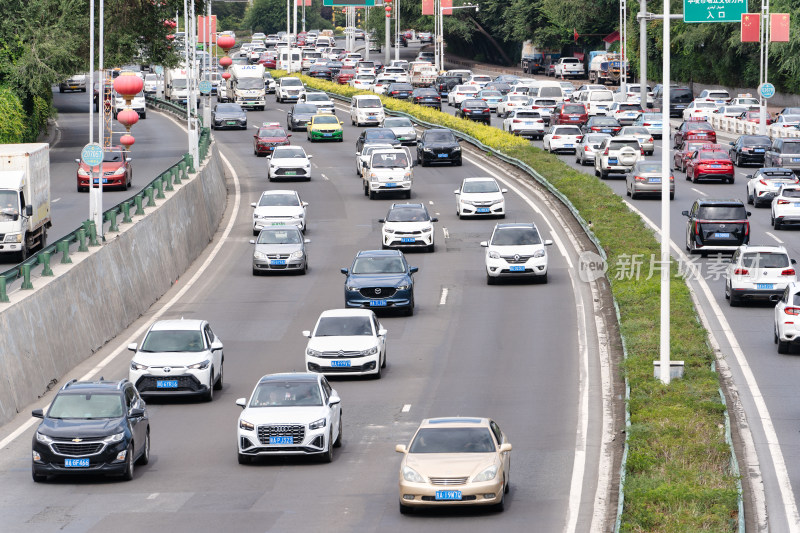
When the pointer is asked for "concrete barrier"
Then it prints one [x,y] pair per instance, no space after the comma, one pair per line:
[57,326]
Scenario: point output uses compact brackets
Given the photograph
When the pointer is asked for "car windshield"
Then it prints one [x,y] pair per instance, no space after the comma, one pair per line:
[112,157]
[271,132]
[517,98]
[604,121]
[765,260]
[180,340]
[491,93]
[229,108]
[734,109]
[289,153]
[305,108]
[380,134]
[397,123]
[651,117]
[791,193]
[709,156]
[722,212]
[648,167]
[474,103]
[440,136]
[286,394]
[179,83]
[250,83]
[691,147]
[407,214]
[791,147]
[378,265]
[516,237]
[325,119]
[550,103]
[343,326]
[527,114]
[629,107]
[478,186]
[279,200]
[752,141]
[151,77]
[634,130]
[390,160]
[370,103]
[550,91]
[87,405]
[453,440]
[317,97]
[620,144]
[567,130]
[279,236]
[705,105]
[291,82]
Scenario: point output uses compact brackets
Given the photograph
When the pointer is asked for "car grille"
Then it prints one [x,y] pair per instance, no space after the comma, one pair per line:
[185,383]
[408,232]
[448,480]
[378,292]
[312,367]
[278,256]
[483,202]
[327,131]
[515,259]
[341,353]
[77,448]
[296,431]
[297,171]
[466,498]
[292,92]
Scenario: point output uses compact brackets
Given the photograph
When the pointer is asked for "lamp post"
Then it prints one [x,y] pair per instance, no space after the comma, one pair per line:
[439,61]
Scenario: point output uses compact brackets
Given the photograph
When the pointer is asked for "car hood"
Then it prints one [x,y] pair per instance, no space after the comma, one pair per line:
[407,226]
[107,167]
[278,248]
[173,359]
[482,196]
[398,131]
[80,427]
[302,116]
[278,210]
[374,280]
[450,465]
[289,162]
[228,115]
[273,139]
[440,145]
[284,415]
[345,342]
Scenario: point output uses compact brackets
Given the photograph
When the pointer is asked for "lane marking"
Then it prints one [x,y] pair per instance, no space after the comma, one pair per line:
[153,496]
[443,299]
[406,408]
[446,233]
[774,236]
[698,191]
[324,177]
[56,200]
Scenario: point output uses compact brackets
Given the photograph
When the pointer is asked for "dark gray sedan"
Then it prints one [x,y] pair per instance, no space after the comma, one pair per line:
[280,248]
[299,116]
[228,116]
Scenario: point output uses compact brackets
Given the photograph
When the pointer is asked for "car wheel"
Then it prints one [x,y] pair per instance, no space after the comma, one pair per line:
[672,196]
[218,384]
[542,279]
[129,468]
[490,280]
[37,478]
[501,505]
[458,162]
[379,373]
[405,509]
[243,459]
[327,455]
[209,395]
[145,457]
[749,197]
[731,179]
[372,195]
[783,347]
[737,161]
[338,443]
[733,300]
[776,224]
[603,174]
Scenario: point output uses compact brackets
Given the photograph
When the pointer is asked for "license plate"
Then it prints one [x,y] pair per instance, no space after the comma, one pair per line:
[567,146]
[390,185]
[277,262]
[231,123]
[767,286]
[796,160]
[167,384]
[327,134]
[574,118]
[483,210]
[105,180]
[281,440]
[278,224]
[714,166]
[796,204]
[613,161]
[408,240]
[441,155]
[343,363]
[722,235]
[76,463]
[448,495]
[377,303]
[653,180]
[291,172]
[606,131]
[759,150]
[517,268]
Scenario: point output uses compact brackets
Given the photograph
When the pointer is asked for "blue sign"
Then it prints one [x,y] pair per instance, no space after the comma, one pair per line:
[766,90]
[205,86]
[159,70]
[92,154]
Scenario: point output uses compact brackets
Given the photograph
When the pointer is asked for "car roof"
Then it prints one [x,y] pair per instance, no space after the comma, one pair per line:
[454,422]
[717,201]
[100,385]
[775,171]
[763,248]
[290,376]
[183,324]
[407,205]
[379,253]
[515,225]
[347,312]
[479,178]
[279,191]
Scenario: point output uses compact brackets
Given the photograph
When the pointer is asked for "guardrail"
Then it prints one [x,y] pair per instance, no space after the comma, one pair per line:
[743,127]
[85,236]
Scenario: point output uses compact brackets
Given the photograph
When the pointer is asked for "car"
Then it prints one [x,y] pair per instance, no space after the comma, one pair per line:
[730,111]
[785,153]
[562,138]
[747,101]
[299,116]
[787,307]
[478,80]
[320,71]
[597,101]
[426,97]
[455,461]
[545,106]
[279,248]
[228,116]
[279,208]
[376,136]
[617,155]
[325,128]
[511,101]
[787,121]
[634,95]
[363,157]
[269,135]
[380,279]
[289,162]
[716,225]
[178,357]
[322,102]
[382,81]
[755,117]
[399,90]
[601,124]
[758,273]
[502,87]
[362,82]
[461,93]
[91,428]
[749,149]
[491,96]
[587,147]
[359,34]
[475,109]
[76,82]
[397,73]
[516,251]
[444,84]
[702,110]
[408,226]
[789,111]
[117,170]
[388,170]
[785,207]
[525,123]
[641,133]
[625,112]
[347,341]
[366,109]
[295,413]
[764,184]
[710,162]
[153,83]
[679,99]
[425,37]
[694,130]
[289,89]
[425,56]
[480,197]
[403,129]
[569,113]
[351,59]
[438,145]
[644,178]
[717,97]
[651,121]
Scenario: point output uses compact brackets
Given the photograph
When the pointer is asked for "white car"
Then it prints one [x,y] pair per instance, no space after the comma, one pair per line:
[295,413]
[545,106]
[717,97]
[363,82]
[461,93]
[279,208]
[322,102]
[617,155]
[787,121]
[642,134]
[786,326]
[731,111]
[408,226]
[396,73]
[525,123]
[181,357]
[289,89]
[697,110]
[510,102]
[634,94]
[363,158]
[479,80]
[764,185]
[516,250]
[402,63]
[562,138]
[786,206]
[758,273]
[382,81]
[480,196]
[153,83]
[289,162]
[464,74]
[138,104]
[747,101]
[347,341]
[403,129]
[351,60]
[567,88]
[625,112]
[587,148]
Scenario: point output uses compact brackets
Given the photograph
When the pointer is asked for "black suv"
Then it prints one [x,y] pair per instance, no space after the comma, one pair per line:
[716,226]
[92,427]
[749,149]
[679,99]
[444,84]
[438,145]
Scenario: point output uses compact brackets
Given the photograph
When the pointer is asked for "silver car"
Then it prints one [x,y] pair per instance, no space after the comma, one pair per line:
[280,248]
[644,136]
[645,178]
[403,129]
[586,148]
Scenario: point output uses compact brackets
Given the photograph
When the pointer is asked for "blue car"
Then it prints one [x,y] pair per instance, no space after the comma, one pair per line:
[380,279]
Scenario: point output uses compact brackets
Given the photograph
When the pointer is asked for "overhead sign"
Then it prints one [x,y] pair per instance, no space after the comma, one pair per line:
[766,90]
[348,3]
[713,10]
[92,154]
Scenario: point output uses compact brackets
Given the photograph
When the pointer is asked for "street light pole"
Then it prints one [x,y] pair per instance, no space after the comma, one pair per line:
[97,213]
[762,75]
[441,9]
[643,53]
[664,345]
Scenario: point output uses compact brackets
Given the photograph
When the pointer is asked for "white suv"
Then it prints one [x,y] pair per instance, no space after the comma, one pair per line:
[177,357]
[618,155]
[758,273]
[408,226]
[764,185]
[366,109]
[787,309]
[786,207]
[347,341]
[289,89]
[516,250]
[279,208]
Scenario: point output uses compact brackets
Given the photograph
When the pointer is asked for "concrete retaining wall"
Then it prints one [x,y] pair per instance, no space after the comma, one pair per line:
[65,321]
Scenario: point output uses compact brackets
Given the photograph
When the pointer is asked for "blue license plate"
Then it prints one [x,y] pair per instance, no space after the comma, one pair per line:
[344,363]
[759,150]
[796,160]
[76,463]
[277,262]
[767,286]
[390,185]
[722,235]
[408,240]
[281,440]
[567,146]
[452,495]
[612,161]
[105,180]
[441,155]
[714,166]
[327,134]
[483,210]
[796,204]
[167,384]
[653,180]
[606,131]
[377,303]
[517,268]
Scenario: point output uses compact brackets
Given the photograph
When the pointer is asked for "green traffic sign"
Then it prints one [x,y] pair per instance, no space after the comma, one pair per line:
[346,3]
[714,10]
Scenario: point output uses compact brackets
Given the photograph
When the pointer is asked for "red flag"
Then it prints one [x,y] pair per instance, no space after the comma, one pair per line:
[300,2]
[751,27]
[575,34]
[779,27]
[201,29]
[427,7]
[446,4]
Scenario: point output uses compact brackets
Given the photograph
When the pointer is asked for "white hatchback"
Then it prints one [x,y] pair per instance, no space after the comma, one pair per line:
[786,207]
[480,196]
[279,208]
[758,273]
[346,341]
[289,162]
[516,251]
[562,138]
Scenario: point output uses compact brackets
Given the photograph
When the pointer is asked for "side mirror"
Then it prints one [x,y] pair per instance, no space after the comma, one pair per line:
[77,160]
[334,399]
[485,244]
[289,135]
[504,191]
[252,241]
[345,271]
[306,333]
[775,298]
[413,270]
[794,261]
[304,204]
[749,176]
[216,345]
[241,402]
[732,143]
[37,413]
[400,448]
[28,210]
[382,332]
[685,213]
[132,346]
[548,242]
[310,156]
[434,219]
[749,213]
[136,412]
[255,136]
[381,220]
[253,204]
[457,191]
[505,447]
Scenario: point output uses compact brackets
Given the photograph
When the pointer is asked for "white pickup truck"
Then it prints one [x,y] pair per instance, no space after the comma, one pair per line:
[569,67]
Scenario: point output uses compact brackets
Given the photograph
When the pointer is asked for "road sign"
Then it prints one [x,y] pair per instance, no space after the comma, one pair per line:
[713,10]
[205,86]
[92,154]
[159,70]
[356,3]
[766,90]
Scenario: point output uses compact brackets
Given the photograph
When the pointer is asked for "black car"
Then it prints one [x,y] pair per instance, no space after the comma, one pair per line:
[501,86]
[716,226]
[228,116]
[428,97]
[438,145]
[92,428]
[679,99]
[749,149]
[322,72]
[377,135]
[474,109]
[399,90]
[444,84]
[335,67]
[600,124]
[299,116]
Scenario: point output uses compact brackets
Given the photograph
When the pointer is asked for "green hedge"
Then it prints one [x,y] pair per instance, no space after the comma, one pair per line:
[13,126]
[678,476]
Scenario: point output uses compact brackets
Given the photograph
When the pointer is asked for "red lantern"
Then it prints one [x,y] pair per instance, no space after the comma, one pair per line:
[226,42]
[170,37]
[225,61]
[388,9]
[226,75]
[128,117]
[127,140]
[128,85]
[388,15]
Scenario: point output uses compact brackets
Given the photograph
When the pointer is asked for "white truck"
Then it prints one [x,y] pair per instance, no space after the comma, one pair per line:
[606,68]
[246,86]
[176,85]
[569,67]
[423,75]
[24,198]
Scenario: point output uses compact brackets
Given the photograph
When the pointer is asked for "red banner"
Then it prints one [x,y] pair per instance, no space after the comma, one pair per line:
[300,2]
[779,27]
[751,27]
[201,29]
[445,5]
[427,7]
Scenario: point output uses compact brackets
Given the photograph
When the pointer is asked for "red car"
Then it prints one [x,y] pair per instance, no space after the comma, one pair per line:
[344,76]
[753,116]
[681,156]
[270,135]
[117,170]
[567,113]
[269,60]
[695,130]
[709,163]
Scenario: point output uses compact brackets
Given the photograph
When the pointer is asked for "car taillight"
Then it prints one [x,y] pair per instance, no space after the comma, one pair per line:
[783,202]
[516,121]
[395,92]
[762,182]
[639,178]
[747,228]
[792,311]
[741,272]
[646,124]
[696,227]
[606,152]
[641,150]
[556,137]
[650,140]
[788,272]
[587,149]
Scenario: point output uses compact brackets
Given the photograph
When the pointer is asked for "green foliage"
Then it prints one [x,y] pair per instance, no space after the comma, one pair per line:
[269,16]
[12,127]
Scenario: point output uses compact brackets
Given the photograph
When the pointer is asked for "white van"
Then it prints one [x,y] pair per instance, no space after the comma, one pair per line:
[290,59]
[597,102]
[548,89]
[322,42]
[366,109]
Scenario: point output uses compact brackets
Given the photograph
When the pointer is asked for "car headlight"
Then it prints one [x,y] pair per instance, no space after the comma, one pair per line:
[44,439]
[244,424]
[137,366]
[409,474]
[373,176]
[317,424]
[296,255]
[407,175]
[467,202]
[402,287]
[120,171]
[114,438]
[260,256]
[370,351]
[388,230]
[427,150]
[494,255]
[487,475]
[200,366]
[427,230]
[312,353]
[457,149]
[13,237]
[539,253]
[350,288]
[83,172]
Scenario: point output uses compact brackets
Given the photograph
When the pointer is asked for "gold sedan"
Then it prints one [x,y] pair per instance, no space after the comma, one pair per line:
[455,461]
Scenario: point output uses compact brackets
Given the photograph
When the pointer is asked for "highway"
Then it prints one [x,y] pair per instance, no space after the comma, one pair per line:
[526,355]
